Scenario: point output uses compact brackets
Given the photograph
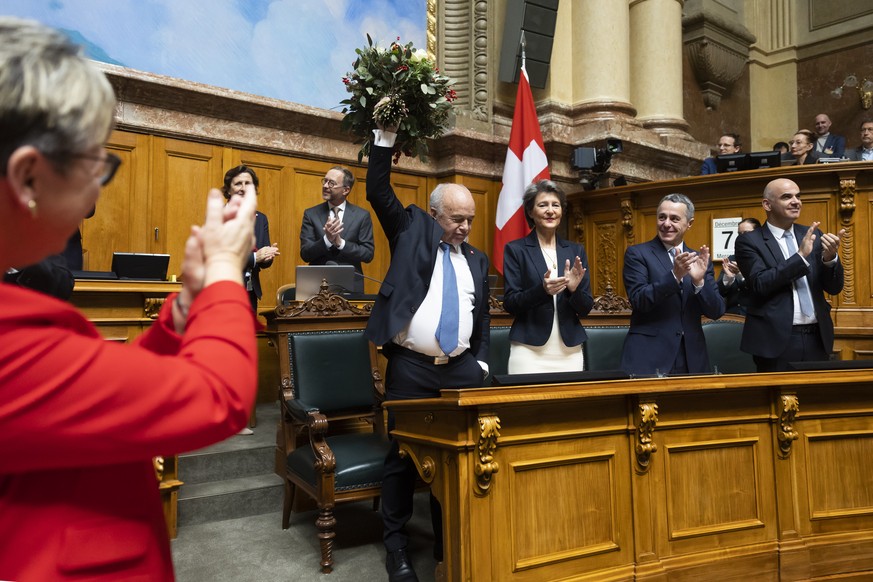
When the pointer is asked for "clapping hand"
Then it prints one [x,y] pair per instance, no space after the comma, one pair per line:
[694,264]
[808,240]
[333,228]
[697,268]
[267,254]
[830,244]
[553,285]
[574,274]
[730,267]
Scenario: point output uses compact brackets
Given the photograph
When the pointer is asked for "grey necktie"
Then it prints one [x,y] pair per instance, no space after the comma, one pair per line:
[802,285]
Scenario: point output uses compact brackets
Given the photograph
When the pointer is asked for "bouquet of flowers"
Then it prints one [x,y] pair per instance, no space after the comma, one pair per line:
[398,86]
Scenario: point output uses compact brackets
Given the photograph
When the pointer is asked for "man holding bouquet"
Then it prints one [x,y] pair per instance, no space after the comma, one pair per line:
[431,319]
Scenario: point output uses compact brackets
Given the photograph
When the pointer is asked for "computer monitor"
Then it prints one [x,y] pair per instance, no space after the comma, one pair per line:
[731,163]
[759,160]
[340,280]
[141,266]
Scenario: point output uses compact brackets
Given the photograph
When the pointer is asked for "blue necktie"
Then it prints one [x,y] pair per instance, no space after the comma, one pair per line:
[447,329]
[802,285]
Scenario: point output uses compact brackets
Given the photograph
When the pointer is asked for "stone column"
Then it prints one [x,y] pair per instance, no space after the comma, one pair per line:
[773,110]
[600,58]
[656,65]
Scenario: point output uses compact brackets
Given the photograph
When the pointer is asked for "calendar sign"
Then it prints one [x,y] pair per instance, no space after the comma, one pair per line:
[724,233]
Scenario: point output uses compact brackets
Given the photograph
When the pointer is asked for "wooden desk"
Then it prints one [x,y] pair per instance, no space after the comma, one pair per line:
[756,477]
[122,310]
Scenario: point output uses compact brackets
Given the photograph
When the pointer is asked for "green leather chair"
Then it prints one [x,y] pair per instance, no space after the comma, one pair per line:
[604,346]
[723,345]
[498,350]
[333,427]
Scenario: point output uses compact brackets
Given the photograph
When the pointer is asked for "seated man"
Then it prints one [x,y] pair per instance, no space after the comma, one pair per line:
[827,145]
[864,152]
[728,143]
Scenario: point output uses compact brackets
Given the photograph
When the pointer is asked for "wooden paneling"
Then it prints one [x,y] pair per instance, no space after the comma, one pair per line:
[120,219]
[183,172]
[727,493]
[838,196]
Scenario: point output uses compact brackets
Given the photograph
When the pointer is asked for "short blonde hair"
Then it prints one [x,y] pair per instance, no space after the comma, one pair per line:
[51,96]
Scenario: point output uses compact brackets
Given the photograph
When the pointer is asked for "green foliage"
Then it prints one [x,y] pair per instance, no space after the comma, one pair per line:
[398,86]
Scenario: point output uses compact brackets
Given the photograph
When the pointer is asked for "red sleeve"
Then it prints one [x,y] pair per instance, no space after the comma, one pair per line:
[69,398]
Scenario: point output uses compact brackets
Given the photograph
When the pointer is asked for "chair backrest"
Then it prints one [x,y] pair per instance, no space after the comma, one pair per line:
[286,293]
[723,346]
[604,346]
[498,350]
[332,370]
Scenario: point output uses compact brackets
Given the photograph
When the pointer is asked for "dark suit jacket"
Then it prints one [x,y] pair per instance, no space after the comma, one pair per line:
[50,276]
[736,295]
[835,143]
[414,237]
[708,167]
[357,232]
[854,154]
[771,302]
[533,308]
[662,315]
[262,239]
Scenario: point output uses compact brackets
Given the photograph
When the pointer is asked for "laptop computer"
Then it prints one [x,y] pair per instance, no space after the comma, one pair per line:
[141,266]
[340,279]
[95,275]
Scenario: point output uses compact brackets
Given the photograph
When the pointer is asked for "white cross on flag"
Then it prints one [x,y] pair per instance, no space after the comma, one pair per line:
[526,163]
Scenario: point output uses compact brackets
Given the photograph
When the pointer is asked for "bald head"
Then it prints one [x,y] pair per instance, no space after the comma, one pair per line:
[782,202]
[822,124]
[453,207]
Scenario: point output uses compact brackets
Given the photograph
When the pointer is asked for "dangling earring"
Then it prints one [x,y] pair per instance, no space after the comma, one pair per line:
[31,205]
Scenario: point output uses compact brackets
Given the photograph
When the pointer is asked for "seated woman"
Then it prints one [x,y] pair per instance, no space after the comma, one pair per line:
[82,417]
[236,180]
[802,145]
[546,335]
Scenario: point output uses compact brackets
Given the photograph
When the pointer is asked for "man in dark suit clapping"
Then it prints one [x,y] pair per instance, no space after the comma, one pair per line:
[788,268]
[670,287]
[337,231]
[431,319]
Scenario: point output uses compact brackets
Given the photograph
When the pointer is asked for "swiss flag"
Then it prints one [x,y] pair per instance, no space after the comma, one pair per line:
[525,163]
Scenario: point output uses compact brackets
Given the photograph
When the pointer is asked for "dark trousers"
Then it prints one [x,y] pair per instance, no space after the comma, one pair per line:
[406,378]
[680,366]
[804,345]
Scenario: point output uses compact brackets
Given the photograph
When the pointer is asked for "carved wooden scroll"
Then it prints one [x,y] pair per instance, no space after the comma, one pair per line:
[646,427]
[486,466]
[789,406]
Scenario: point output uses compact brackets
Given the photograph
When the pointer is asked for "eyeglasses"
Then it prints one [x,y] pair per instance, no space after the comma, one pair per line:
[106,170]
[330,183]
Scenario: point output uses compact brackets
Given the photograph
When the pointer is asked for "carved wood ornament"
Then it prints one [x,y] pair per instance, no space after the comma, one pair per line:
[645,429]
[789,406]
[486,466]
[847,247]
[152,307]
[324,304]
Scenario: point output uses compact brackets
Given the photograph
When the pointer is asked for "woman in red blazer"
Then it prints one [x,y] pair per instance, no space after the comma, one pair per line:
[81,417]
